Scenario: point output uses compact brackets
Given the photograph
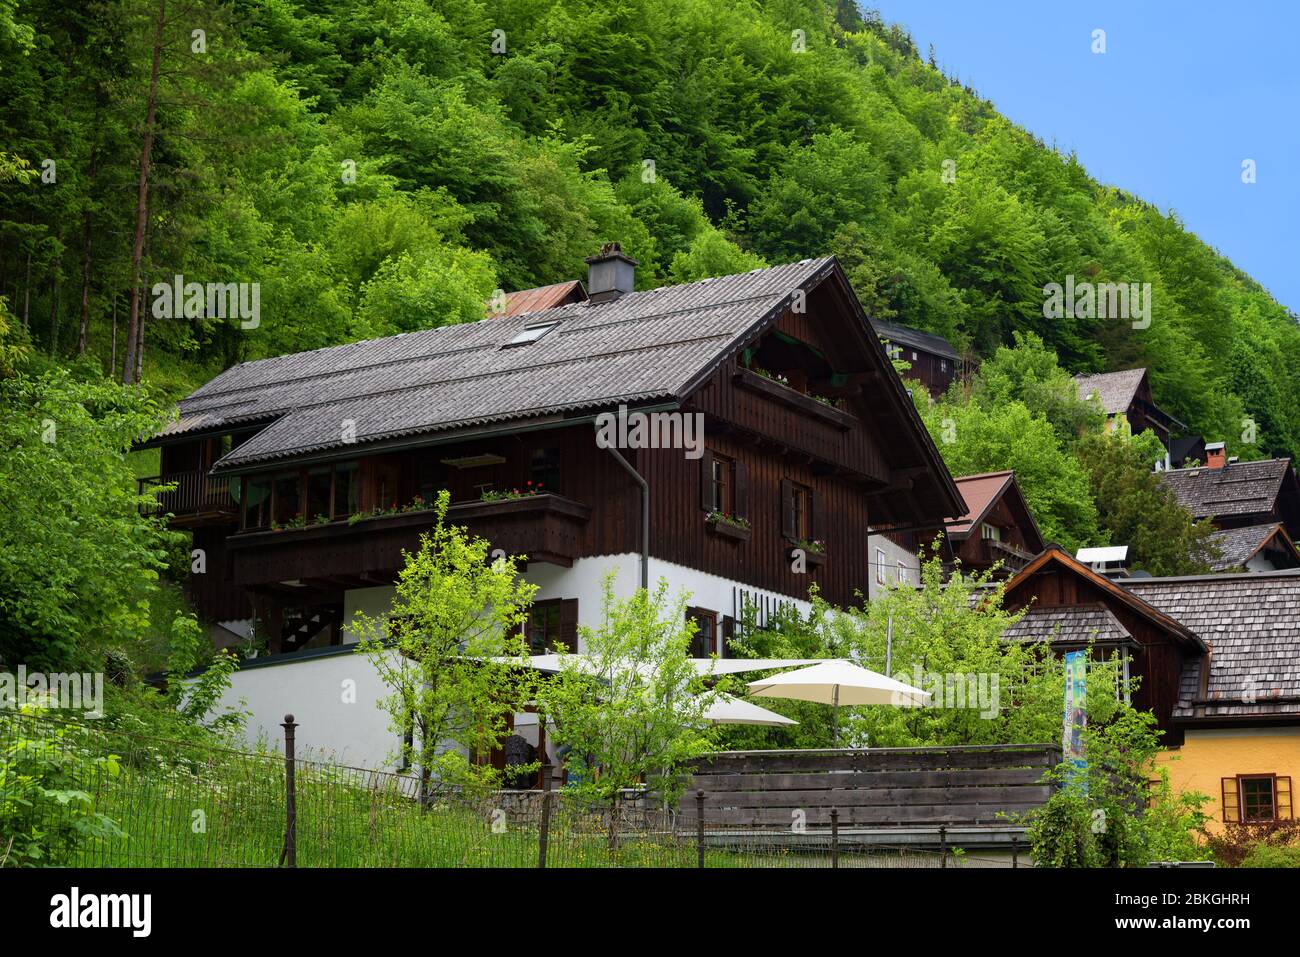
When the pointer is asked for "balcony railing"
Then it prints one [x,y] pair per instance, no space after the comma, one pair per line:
[195,493]
[546,528]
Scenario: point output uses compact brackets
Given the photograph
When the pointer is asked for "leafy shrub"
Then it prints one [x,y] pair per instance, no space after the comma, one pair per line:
[46,781]
[1266,855]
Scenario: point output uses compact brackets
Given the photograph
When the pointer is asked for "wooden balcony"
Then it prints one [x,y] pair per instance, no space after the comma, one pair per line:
[197,497]
[988,551]
[545,528]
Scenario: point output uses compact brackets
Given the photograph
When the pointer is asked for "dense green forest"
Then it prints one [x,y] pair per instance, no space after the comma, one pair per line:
[382,166]
[376,167]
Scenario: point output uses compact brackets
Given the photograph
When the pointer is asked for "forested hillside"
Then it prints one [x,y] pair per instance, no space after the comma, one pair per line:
[382,166]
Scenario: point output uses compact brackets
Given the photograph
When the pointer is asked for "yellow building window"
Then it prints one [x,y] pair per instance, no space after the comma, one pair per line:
[1256,799]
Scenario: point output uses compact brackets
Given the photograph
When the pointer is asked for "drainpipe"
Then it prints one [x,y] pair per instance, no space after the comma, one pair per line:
[645,515]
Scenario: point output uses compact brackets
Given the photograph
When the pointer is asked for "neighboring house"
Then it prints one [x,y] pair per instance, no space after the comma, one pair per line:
[542,298]
[933,361]
[303,476]
[1216,659]
[1238,495]
[1127,394]
[1255,548]
[996,527]
[1185,449]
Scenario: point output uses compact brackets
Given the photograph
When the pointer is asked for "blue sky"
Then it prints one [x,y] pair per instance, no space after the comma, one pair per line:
[1184,93]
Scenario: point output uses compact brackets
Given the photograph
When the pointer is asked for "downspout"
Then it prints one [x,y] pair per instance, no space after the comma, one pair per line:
[645,515]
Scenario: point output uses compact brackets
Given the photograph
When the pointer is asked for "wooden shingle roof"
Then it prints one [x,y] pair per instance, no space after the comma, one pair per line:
[1238,488]
[1115,390]
[1252,626]
[1239,545]
[642,347]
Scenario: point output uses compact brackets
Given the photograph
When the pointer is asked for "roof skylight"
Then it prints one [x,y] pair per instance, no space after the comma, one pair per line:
[532,333]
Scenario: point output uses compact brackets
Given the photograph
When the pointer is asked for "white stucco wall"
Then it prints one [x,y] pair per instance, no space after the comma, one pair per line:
[317,686]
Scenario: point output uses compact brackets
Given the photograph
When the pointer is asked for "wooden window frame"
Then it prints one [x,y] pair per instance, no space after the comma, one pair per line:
[304,477]
[701,615]
[1242,780]
[736,474]
[1232,806]
[566,624]
[798,511]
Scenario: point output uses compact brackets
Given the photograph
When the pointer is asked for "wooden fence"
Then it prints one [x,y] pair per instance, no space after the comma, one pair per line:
[871,788]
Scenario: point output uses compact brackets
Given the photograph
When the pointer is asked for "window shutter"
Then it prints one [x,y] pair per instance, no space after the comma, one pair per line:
[706,481]
[812,514]
[1282,797]
[741,491]
[1231,802]
[787,510]
[728,635]
[569,624]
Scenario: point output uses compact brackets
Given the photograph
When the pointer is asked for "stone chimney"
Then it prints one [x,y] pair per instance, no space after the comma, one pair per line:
[1216,455]
[610,274]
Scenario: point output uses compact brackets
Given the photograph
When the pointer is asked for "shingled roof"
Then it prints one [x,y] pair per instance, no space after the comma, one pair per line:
[1116,390]
[1070,625]
[642,347]
[1238,488]
[907,336]
[1239,545]
[1252,625]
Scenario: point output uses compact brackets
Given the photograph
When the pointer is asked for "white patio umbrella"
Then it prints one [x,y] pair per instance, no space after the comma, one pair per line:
[728,710]
[836,682]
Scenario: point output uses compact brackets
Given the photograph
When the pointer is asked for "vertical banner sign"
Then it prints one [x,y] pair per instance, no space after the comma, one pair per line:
[1076,712]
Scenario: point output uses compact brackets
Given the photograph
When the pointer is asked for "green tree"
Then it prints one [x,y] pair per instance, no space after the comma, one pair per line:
[455,608]
[1137,509]
[630,709]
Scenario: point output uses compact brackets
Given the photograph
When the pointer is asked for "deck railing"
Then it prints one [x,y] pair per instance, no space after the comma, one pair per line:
[194,491]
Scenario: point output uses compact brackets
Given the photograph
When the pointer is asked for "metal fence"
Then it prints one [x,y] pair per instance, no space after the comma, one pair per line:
[181,804]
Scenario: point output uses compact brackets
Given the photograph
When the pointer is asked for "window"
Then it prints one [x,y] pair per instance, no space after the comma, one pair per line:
[552,623]
[257,508]
[991,532]
[543,627]
[1257,802]
[705,642]
[1256,799]
[532,333]
[319,482]
[723,500]
[881,565]
[347,490]
[902,572]
[943,365]
[544,469]
[722,484]
[286,500]
[797,516]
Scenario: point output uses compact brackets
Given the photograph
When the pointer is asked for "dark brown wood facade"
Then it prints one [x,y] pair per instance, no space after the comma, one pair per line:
[1054,580]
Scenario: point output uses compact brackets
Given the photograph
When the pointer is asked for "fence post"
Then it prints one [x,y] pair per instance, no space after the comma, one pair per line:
[699,828]
[289,856]
[1015,851]
[943,846]
[835,837]
[544,827]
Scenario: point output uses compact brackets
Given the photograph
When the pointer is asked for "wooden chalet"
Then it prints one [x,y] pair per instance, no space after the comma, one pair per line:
[304,477]
[1127,394]
[997,529]
[1240,495]
[934,362]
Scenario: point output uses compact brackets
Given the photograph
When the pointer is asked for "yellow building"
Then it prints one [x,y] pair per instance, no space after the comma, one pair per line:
[1217,658]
